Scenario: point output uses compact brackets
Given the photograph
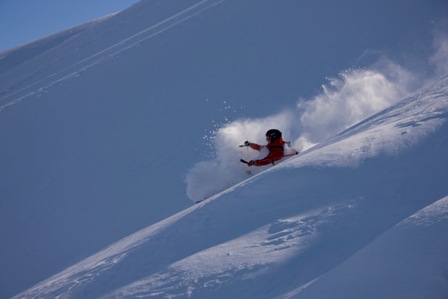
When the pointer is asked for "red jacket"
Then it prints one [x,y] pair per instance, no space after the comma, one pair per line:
[276,151]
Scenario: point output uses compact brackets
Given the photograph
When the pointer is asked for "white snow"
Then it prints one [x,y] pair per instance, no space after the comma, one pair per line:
[110,131]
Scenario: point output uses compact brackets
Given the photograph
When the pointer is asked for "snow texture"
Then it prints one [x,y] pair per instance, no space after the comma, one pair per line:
[113,129]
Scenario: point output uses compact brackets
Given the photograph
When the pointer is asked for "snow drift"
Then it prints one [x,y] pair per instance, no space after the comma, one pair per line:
[361,215]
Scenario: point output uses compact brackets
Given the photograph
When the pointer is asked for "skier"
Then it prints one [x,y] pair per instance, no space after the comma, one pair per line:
[275,146]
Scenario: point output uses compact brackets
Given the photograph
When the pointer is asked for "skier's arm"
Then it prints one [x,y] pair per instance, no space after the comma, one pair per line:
[256,147]
[253,145]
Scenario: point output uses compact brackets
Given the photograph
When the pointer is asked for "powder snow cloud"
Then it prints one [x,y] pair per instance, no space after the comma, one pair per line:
[343,101]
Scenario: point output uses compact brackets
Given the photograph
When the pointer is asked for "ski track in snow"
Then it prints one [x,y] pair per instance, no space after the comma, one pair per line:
[42,85]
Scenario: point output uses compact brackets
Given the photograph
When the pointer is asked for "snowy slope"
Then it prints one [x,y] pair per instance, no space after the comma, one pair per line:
[362,215]
[115,125]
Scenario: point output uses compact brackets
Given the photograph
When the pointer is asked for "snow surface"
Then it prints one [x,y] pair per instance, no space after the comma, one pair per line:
[362,215]
[111,129]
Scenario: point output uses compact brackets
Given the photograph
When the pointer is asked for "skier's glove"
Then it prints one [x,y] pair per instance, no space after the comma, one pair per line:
[247,143]
[251,163]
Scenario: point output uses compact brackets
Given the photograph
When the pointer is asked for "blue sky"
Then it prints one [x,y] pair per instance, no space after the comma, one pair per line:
[22,21]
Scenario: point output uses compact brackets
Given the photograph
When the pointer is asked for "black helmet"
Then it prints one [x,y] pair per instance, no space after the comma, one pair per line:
[274,134]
